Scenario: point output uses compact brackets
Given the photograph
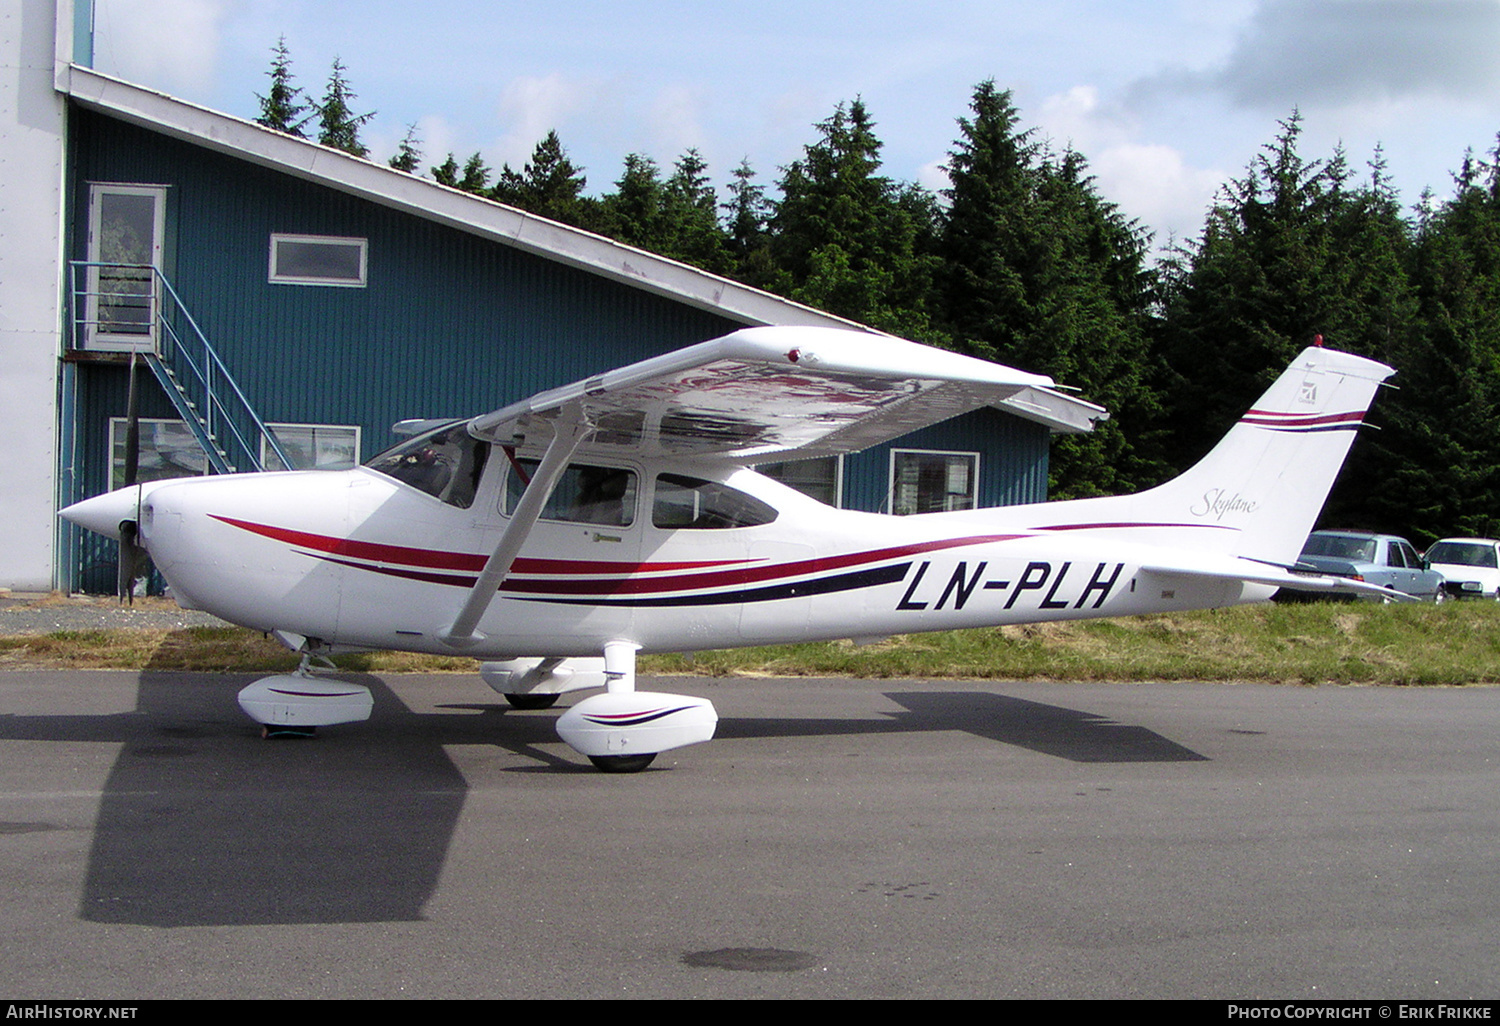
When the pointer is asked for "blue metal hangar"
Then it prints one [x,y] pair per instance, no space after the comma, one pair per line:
[287,304]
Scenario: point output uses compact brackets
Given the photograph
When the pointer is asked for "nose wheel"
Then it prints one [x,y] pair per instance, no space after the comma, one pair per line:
[621,763]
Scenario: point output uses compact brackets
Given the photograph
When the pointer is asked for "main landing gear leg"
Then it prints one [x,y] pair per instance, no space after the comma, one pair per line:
[622,730]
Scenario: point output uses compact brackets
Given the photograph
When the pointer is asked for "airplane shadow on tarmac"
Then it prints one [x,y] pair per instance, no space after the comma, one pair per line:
[203,823]
[1035,726]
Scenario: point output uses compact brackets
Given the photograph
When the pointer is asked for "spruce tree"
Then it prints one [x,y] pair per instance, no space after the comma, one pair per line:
[633,212]
[1434,468]
[1256,288]
[408,157]
[849,240]
[691,213]
[549,184]
[989,228]
[476,174]
[747,214]
[1040,272]
[283,107]
[447,173]
[338,125]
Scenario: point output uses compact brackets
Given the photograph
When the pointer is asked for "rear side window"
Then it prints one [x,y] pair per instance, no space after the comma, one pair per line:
[692,503]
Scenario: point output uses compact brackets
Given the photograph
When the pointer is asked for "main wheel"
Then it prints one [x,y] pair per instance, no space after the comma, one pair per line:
[1441,595]
[621,763]
[536,700]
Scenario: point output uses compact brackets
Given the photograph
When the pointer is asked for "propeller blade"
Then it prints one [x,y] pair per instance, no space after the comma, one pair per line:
[132,428]
[129,562]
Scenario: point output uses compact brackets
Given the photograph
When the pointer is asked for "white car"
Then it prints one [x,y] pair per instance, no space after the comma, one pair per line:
[1471,566]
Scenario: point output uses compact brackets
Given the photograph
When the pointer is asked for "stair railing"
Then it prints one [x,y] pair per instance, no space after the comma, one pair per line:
[187,367]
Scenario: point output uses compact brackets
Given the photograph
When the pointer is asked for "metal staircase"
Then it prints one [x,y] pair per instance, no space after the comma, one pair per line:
[126,308]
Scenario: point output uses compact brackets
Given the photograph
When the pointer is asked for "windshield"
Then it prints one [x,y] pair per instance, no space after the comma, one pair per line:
[1462,554]
[446,463]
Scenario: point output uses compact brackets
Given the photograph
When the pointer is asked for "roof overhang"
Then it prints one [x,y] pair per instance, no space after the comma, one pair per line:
[550,240]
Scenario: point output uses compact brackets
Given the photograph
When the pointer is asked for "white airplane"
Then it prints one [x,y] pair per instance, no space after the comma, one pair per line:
[556,538]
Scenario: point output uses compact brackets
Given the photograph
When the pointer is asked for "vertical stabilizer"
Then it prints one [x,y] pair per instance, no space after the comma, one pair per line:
[1258,493]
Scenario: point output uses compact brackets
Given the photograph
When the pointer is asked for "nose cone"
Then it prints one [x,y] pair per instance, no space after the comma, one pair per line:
[103,514]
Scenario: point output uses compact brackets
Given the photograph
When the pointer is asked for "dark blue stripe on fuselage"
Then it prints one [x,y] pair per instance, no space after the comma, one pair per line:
[797,589]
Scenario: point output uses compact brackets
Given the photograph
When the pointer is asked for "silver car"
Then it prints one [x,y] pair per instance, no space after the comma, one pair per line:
[1382,559]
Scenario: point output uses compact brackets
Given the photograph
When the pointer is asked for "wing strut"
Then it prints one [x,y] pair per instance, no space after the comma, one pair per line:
[569,430]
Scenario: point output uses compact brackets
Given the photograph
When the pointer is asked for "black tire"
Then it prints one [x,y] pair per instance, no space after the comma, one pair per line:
[532,701]
[621,763]
[1441,595]
[282,732]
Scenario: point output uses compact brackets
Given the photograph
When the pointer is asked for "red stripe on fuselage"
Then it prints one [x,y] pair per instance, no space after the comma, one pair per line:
[463,561]
[742,575]
[621,581]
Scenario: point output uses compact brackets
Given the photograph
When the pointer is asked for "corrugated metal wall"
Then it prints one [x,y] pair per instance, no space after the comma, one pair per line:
[1012,463]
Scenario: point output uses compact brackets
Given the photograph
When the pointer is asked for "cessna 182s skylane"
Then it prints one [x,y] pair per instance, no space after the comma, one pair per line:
[557,537]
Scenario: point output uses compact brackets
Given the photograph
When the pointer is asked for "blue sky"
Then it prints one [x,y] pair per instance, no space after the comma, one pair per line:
[1166,99]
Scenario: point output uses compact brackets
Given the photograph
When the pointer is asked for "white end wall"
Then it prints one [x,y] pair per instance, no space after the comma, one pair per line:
[33,117]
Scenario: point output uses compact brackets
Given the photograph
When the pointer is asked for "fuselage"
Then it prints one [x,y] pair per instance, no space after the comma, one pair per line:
[361,559]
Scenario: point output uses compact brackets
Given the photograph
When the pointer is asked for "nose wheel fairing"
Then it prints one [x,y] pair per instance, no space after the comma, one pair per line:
[302,699]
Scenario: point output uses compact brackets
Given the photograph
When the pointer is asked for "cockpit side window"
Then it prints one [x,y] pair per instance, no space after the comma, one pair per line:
[583,495]
[692,503]
[447,464]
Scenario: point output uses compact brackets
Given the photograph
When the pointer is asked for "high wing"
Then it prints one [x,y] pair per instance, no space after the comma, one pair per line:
[755,395]
[761,394]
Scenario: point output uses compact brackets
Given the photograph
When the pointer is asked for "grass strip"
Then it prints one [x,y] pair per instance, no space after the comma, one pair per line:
[1453,644]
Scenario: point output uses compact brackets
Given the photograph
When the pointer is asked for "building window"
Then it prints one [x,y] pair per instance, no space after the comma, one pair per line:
[319,260]
[820,479]
[168,449]
[313,446]
[933,482]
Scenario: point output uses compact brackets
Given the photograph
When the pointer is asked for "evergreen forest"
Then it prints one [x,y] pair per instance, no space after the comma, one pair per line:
[1021,260]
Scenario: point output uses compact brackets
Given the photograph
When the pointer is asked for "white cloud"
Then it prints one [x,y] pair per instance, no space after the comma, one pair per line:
[1155,185]
[173,44]
[534,106]
[1150,182]
[676,121]
[1078,118]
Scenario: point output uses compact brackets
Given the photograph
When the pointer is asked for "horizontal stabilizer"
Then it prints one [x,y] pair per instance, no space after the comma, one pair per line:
[1249,571]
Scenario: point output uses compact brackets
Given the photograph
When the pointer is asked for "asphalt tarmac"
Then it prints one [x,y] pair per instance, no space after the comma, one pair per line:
[840,839]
